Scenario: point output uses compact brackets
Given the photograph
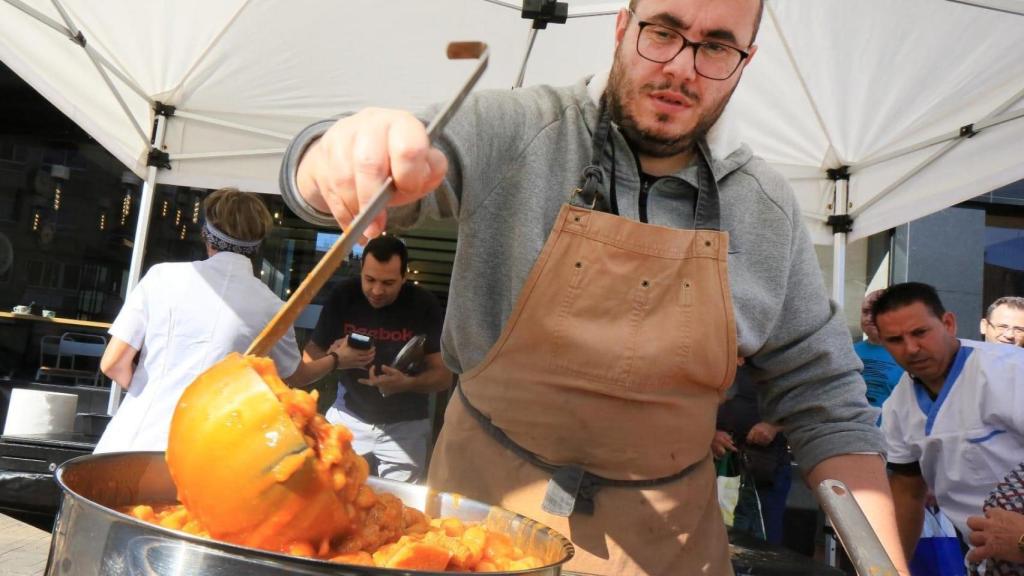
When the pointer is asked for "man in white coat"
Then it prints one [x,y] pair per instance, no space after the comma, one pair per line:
[955,422]
[183,317]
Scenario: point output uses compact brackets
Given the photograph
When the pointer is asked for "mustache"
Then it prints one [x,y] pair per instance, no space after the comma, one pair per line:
[667,87]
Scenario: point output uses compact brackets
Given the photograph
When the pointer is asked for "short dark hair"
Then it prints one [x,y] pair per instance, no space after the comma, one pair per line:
[757,20]
[383,247]
[1015,302]
[901,295]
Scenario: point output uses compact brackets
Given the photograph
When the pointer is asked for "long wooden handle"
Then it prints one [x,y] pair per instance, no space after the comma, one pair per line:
[318,276]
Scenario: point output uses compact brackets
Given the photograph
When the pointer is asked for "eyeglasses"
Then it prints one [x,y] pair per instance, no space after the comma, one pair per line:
[712,60]
[1017,331]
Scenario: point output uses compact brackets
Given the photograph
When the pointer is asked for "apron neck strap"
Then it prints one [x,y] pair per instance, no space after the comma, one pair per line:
[589,191]
[707,214]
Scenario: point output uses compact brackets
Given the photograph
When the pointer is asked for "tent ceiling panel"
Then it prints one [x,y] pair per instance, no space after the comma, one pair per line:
[833,82]
[883,75]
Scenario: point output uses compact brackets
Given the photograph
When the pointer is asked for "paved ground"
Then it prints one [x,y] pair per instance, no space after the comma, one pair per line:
[23,548]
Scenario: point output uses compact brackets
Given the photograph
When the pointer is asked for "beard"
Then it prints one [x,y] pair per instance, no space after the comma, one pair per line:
[622,93]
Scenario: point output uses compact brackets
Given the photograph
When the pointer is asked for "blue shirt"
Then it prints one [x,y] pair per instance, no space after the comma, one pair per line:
[881,372]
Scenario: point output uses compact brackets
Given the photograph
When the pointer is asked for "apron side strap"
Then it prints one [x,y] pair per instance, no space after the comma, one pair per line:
[499,435]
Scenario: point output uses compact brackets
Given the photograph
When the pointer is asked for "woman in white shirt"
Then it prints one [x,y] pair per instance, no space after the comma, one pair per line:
[183,317]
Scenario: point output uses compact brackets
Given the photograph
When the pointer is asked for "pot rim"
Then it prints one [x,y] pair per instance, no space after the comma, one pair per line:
[567,547]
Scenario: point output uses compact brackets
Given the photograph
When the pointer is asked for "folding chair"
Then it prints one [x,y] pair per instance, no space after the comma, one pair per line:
[78,359]
[48,347]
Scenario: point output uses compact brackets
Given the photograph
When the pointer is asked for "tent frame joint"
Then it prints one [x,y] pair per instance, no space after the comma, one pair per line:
[840,173]
[78,38]
[840,223]
[158,158]
[544,12]
[165,110]
[967,131]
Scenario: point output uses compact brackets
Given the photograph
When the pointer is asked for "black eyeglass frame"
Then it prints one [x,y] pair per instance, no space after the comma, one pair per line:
[641,24]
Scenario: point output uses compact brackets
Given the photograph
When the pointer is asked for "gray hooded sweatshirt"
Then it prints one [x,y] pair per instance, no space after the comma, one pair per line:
[516,156]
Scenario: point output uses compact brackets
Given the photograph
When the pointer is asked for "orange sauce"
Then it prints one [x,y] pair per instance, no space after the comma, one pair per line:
[311,499]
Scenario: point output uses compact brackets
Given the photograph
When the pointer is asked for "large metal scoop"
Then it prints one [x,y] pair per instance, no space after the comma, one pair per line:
[240,464]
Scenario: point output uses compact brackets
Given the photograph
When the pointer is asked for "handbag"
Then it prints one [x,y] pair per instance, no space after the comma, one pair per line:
[1008,495]
[760,463]
[938,551]
[728,481]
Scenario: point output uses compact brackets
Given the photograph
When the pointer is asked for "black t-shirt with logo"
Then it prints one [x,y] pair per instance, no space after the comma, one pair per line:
[415,311]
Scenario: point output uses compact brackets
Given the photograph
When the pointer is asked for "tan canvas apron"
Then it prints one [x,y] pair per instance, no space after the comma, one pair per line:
[613,361]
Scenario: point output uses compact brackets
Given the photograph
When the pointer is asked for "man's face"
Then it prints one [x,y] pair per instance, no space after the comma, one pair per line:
[1006,326]
[382,281]
[664,109]
[921,343]
[867,325]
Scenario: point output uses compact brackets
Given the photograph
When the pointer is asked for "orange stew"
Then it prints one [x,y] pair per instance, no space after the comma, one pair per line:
[422,544]
[379,530]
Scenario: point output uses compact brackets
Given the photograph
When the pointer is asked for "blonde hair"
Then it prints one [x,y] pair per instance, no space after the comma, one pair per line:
[241,215]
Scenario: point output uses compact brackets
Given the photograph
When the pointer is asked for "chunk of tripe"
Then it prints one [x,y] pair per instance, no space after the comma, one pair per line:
[420,556]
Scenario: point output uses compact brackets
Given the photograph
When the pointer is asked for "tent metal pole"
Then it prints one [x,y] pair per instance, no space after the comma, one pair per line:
[606,9]
[79,39]
[43,18]
[227,154]
[839,210]
[526,58]
[1007,6]
[96,56]
[141,234]
[803,81]
[972,129]
[145,206]
[234,125]
[964,133]
[64,31]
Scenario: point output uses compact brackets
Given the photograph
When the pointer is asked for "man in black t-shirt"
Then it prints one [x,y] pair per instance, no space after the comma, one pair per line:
[385,408]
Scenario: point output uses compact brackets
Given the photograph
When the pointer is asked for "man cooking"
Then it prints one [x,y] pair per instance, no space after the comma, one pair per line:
[618,251]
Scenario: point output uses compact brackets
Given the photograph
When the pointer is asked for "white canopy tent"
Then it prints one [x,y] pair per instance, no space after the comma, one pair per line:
[882,87]
[909,106]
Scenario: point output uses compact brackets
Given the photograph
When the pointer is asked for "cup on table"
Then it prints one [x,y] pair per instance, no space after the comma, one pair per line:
[49,314]
[22,310]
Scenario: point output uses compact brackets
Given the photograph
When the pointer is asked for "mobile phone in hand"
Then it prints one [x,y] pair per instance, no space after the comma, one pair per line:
[360,341]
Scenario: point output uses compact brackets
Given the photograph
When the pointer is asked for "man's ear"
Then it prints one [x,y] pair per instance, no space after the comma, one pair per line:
[949,322]
[621,24]
[751,51]
[982,326]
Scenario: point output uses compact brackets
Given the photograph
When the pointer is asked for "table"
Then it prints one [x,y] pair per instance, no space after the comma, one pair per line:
[23,548]
[18,352]
[60,321]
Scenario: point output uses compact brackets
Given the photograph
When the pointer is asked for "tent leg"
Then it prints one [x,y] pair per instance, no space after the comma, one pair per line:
[141,234]
[526,58]
[839,209]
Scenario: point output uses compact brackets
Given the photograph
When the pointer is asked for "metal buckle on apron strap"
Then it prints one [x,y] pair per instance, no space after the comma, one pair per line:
[571,488]
[589,192]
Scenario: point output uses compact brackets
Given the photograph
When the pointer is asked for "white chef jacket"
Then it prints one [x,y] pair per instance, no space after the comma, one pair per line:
[970,436]
[184,317]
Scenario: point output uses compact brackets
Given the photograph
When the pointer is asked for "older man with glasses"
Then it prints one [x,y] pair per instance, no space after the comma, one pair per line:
[1004,321]
[619,252]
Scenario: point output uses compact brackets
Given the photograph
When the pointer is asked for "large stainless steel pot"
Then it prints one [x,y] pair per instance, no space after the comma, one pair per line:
[91,538]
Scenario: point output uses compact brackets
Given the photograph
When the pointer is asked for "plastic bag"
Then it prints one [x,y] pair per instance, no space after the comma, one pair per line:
[728,486]
[938,551]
